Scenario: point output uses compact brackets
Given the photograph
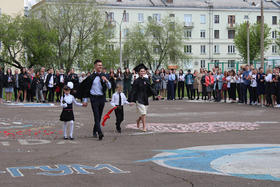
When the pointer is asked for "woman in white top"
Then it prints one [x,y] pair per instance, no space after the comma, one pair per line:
[268,83]
[253,88]
[228,78]
[232,94]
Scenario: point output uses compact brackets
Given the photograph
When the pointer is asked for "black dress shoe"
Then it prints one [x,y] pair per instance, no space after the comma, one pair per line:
[119,130]
[65,138]
[101,137]
[71,138]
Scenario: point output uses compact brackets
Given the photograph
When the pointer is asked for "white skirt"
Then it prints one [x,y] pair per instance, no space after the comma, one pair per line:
[142,109]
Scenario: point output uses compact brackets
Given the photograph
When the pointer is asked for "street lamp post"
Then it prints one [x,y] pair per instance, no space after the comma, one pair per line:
[120,37]
[262,35]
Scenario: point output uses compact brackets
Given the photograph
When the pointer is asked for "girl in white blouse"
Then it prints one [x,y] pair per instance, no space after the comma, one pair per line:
[67,114]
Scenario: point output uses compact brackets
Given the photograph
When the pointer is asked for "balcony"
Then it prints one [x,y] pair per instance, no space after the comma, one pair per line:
[189,25]
[231,26]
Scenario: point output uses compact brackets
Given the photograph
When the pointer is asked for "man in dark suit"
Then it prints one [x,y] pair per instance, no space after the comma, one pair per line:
[50,83]
[94,87]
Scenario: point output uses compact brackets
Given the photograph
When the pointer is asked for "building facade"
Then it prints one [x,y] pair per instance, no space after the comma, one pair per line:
[12,7]
[209,25]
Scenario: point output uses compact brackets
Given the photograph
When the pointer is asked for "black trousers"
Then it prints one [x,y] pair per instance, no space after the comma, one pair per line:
[50,94]
[245,89]
[97,106]
[170,91]
[119,117]
[268,93]
[189,90]
[16,93]
[181,89]
[278,94]
[233,91]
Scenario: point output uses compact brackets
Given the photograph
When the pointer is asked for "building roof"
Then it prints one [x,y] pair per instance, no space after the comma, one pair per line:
[216,4]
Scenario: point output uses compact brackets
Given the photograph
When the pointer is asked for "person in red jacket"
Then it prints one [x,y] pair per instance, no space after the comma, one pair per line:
[209,83]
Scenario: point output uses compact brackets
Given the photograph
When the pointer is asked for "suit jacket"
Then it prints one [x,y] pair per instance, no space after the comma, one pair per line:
[141,91]
[83,90]
[48,79]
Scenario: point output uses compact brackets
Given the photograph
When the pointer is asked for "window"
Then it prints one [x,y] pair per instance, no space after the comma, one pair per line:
[202,49]
[231,63]
[126,17]
[203,19]
[202,34]
[125,32]
[274,34]
[172,15]
[231,19]
[216,49]
[156,17]
[231,34]
[259,19]
[216,34]
[274,20]
[140,17]
[216,63]
[110,47]
[202,63]
[188,19]
[187,33]
[274,49]
[216,19]
[231,49]
[188,49]
[110,16]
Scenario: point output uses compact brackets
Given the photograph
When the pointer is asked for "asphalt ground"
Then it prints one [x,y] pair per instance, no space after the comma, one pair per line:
[33,152]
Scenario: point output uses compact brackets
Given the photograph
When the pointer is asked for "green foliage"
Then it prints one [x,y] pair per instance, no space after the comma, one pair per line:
[240,40]
[38,42]
[160,42]
[22,35]
[81,32]
[12,40]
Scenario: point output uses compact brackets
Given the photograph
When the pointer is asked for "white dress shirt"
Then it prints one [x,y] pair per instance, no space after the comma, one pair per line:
[69,99]
[116,99]
[51,82]
[268,78]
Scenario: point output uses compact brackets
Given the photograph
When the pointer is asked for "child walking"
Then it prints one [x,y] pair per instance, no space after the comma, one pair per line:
[119,99]
[67,114]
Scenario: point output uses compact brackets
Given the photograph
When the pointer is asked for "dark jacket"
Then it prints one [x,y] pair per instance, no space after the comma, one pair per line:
[1,79]
[7,82]
[83,90]
[48,80]
[74,79]
[141,91]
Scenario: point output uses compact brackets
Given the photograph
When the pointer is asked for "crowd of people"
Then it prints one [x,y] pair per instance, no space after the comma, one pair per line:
[44,85]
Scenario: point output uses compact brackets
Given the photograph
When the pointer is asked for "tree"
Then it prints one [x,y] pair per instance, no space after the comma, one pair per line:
[11,38]
[22,36]
[81,31]
[38,42]
[160,42]
[240,40]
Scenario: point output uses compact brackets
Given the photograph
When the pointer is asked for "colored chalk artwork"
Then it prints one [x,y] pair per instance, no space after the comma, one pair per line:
[198,127]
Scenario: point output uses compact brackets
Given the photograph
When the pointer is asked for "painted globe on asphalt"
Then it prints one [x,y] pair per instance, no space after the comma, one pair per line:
[251,161]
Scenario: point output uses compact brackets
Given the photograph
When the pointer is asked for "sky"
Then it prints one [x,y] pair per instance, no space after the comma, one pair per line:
[30,2]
